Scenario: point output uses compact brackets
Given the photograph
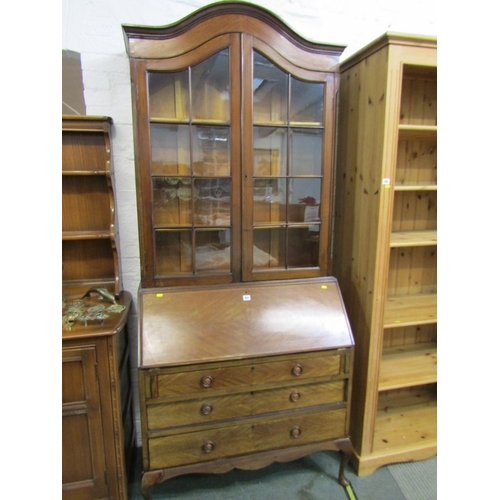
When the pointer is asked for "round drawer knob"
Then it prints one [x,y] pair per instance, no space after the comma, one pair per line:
[207,381]
[206,409]
[295,432]
[208,446]
[297,370]
[295,396]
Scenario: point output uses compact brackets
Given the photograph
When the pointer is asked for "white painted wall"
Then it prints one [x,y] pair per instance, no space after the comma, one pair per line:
[93,28]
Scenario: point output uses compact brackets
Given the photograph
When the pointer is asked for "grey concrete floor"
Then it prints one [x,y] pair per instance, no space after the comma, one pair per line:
[310,478]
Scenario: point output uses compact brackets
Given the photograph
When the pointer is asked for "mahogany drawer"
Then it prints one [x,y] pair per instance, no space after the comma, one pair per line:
[162,383]
[209,409]
[245,437]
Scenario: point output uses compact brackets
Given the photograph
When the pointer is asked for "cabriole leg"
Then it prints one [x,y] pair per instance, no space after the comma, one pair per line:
[345,446]
[149,479]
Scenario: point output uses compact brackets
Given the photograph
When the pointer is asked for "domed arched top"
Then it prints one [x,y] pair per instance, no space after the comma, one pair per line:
[151,42]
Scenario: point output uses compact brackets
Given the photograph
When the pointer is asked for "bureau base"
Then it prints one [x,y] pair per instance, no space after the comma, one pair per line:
[250,462]
[265,379]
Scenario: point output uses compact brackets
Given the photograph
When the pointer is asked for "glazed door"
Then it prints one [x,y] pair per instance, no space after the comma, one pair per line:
[190,174]
[234,146]
[288,154]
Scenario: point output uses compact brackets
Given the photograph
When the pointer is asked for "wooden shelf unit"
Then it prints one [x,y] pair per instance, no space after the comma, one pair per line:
[98,435]
[89,236]
[385,244]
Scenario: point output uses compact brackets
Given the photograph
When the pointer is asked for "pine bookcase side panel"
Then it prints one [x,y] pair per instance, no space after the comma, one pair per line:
[362,203]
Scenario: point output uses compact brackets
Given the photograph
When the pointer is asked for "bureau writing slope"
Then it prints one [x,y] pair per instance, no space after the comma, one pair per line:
[234,126]
[386,250]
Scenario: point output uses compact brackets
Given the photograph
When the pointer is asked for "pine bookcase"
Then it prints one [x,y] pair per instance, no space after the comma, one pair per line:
[385,245]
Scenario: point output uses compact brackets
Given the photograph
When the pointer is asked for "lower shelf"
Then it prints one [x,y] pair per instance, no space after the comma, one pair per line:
[405,428]
[405,419]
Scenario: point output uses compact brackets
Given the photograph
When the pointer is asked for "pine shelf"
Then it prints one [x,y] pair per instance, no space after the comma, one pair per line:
[415,187]
[404,419]
[406,366]
[405,433]
[410,310]
[417,131]
[413,238]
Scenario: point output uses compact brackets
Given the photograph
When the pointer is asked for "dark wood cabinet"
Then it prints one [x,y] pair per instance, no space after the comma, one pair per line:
[83,444]
[98,436]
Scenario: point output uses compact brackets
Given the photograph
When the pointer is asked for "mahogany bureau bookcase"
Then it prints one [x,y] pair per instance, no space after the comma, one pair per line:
[245,347]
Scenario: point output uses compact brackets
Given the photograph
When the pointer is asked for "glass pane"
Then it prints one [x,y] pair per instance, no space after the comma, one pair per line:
[212,205]
[306,151]
[306,103]
[213,250]
[173,252]
[269,151]
[270,91]
[210,88]
[304,200]
[170,149]
[269,248]
[168,95]
[303,247]
[269,200]
[171,201]
[211,151]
